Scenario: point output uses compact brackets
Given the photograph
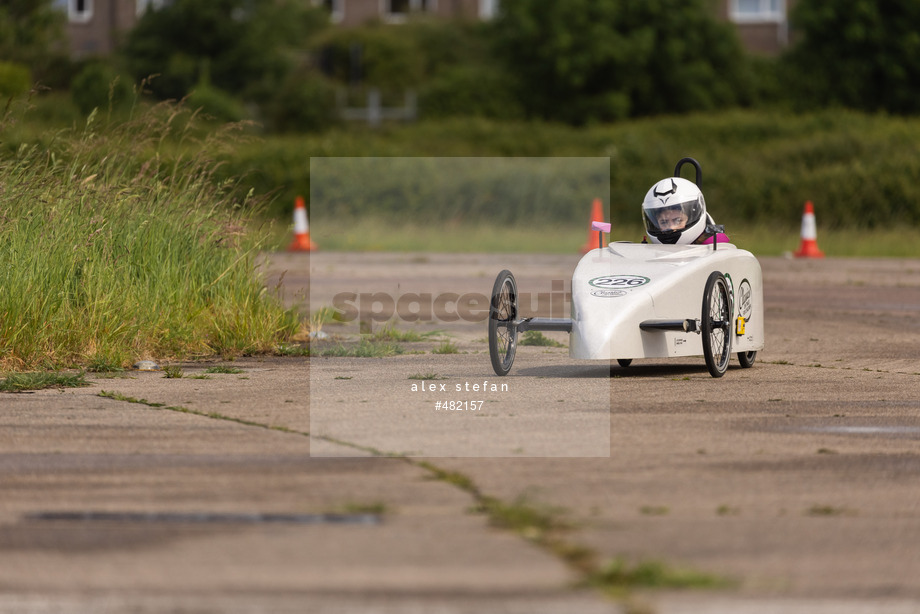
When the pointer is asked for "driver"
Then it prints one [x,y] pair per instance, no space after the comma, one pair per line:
[674,212]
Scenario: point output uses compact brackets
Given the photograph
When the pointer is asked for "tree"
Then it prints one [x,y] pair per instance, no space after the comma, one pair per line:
[31,33]
[863,54]
[234,45]
[584,60]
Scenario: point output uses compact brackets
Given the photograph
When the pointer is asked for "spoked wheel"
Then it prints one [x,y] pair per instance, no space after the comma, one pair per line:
[747,359]
[716,324]
[502,330]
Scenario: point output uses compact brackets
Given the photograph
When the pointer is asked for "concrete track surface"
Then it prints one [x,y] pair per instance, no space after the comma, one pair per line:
[798,480]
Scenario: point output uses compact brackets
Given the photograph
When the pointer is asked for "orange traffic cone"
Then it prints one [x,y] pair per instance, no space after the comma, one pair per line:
[302,241]
[597,215]
[808,248]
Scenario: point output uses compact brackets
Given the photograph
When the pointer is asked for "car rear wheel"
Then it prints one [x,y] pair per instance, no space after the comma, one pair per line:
[747,359]
[715,324]
[503,312]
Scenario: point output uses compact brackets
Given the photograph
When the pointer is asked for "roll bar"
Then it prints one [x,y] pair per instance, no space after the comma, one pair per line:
[696,165]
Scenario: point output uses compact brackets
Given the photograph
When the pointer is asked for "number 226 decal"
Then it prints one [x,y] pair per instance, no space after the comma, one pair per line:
[619,281]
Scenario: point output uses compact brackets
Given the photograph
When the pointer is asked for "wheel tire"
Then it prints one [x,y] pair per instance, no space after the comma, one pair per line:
[747,359]
[624,362]
[716,324]
[503,312]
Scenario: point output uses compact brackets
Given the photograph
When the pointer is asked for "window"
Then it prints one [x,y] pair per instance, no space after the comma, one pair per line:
[488,9]
[397,7]
[396,11]
[79,11]
[758,10]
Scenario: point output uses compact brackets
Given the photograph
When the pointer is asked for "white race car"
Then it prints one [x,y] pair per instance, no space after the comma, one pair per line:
[636,300]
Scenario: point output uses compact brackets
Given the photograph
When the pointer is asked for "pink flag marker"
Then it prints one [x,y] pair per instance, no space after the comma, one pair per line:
[601,226]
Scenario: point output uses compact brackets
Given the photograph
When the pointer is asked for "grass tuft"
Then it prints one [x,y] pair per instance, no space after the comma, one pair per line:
[827,510]
[619,576]
[21,382]
[454,478]
[447,347]
[223,369]
[103,364]
[523,517]
[388,332]
[293,349]
[535,337]
[172,372]
[366,348]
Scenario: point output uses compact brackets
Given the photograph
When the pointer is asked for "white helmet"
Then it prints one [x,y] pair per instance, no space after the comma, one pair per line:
[674,212]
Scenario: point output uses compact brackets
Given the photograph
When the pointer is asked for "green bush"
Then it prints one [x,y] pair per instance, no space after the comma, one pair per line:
[376,55]
[15,79]
[98,85]
[31,34]
[449,64]
[236,42]
[56,72]
[759,167]
[582,61]
[860,54]
[468,90]
[47,111]
[216,104]
[306,102]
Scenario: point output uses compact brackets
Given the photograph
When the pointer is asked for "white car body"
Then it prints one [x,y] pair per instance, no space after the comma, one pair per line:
[618,287]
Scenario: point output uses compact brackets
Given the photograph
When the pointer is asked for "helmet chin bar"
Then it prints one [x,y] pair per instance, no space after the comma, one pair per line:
[668,238]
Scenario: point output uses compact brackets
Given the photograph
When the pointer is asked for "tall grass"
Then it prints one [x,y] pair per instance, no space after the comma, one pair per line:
[118,243]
